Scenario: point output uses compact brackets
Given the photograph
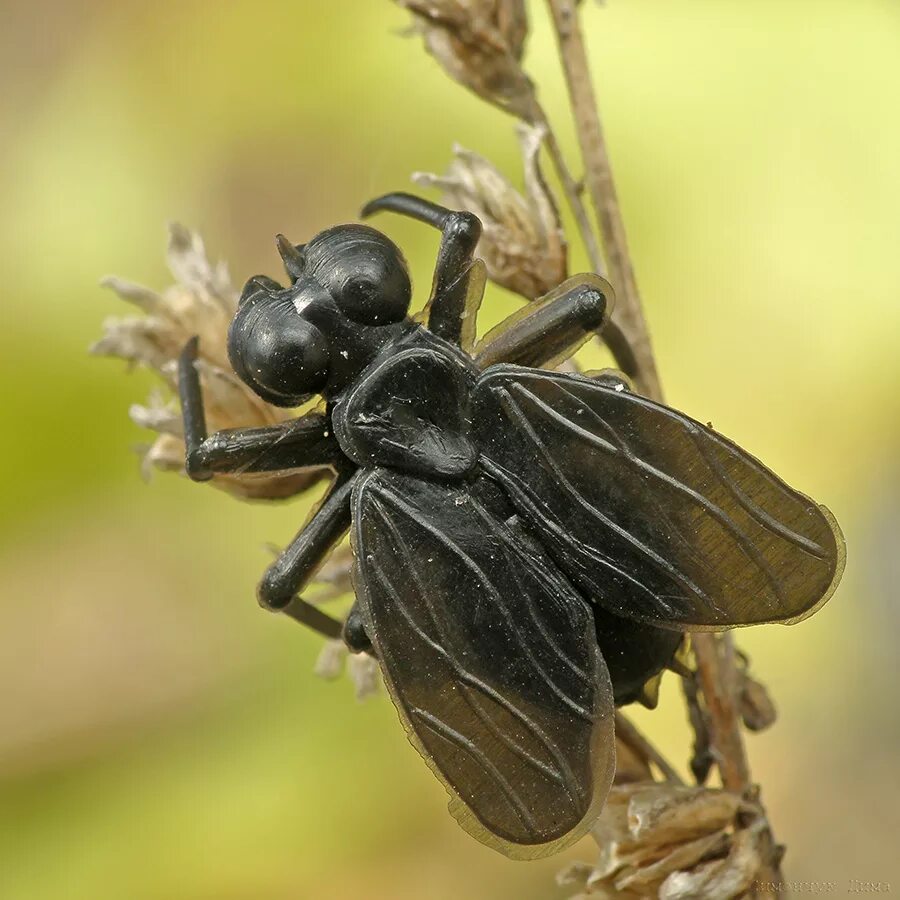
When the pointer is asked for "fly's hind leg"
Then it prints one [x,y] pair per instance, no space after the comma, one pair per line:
[355,636]
[548,331]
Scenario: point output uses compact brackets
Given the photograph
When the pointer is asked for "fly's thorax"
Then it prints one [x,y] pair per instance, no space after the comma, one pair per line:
[411,410]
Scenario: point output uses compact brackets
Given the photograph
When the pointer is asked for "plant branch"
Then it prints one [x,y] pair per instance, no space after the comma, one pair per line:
[717,673]
[599,180]
[570,188]
[615,339]
[627,731]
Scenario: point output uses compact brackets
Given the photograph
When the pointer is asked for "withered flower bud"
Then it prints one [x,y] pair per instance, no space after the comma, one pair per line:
[523,245]
[202,301]
[671,841]
[479,44]
[757,708]
[361,668]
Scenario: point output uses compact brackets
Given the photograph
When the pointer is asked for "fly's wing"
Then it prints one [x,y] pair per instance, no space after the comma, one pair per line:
[490,658]
[650,513]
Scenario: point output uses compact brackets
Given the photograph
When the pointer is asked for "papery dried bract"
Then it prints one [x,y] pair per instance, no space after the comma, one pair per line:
[479,43]
[757,708]
[669,841]
[666,813]
[522,244]
[202,301]
[721,879]
[755,702]
[330,662]
[365,674]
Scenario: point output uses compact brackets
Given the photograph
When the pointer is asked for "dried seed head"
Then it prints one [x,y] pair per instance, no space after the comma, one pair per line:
[479,43]
[330,663]
[755,702]
[757,708]
[202,301]
[364,674]
[719,879]
[522,245]
[334,580]
[670,841]
[362,668]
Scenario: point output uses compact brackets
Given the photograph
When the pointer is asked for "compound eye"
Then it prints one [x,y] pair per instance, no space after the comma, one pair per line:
[280,355]
[375,300]
[364,271]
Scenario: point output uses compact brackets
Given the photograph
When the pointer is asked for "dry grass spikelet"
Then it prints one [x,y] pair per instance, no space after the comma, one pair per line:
[673,842]
[202,301]
[362,668]
[523,244]
[479,43]
[757,708]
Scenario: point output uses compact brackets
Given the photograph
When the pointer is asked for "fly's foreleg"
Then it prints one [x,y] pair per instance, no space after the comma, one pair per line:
[297,443]
[458,276]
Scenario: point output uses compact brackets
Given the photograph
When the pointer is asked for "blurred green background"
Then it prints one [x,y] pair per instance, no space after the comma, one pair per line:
[160,737]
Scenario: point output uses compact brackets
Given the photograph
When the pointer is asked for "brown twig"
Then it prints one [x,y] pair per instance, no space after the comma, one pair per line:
[701,762]
[599,180]
[618,343]
[570,188]
[717,674]
[718,681]
[628,732]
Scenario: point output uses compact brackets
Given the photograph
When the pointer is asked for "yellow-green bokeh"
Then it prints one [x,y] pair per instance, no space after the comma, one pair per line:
[160,737]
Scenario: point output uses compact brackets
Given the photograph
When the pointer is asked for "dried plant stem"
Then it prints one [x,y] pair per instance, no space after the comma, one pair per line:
[615,339]
[629,733]
[718,680]
[571,189]
[599,180]
[717,673]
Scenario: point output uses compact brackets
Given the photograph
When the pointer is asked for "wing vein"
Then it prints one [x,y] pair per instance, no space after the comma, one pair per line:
[470,682]
[660,510]
[438,726]
[742,540]
[504,477]
[533,613]
[756,512]
[453,548]
[563,775]
[662,564]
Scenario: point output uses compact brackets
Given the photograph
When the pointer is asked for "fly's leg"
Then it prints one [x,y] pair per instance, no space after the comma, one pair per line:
[550,330]
[458,276]
[288,575]
[301,442]
[609,378]
[297,443]
[355,636]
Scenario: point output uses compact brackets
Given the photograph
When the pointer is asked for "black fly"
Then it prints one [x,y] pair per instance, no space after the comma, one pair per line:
[529,546]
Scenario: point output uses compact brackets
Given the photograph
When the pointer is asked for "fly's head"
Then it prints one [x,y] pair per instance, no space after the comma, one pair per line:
[349,286]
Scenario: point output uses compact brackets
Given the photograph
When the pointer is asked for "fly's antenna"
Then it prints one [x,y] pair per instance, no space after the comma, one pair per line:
[292,257]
